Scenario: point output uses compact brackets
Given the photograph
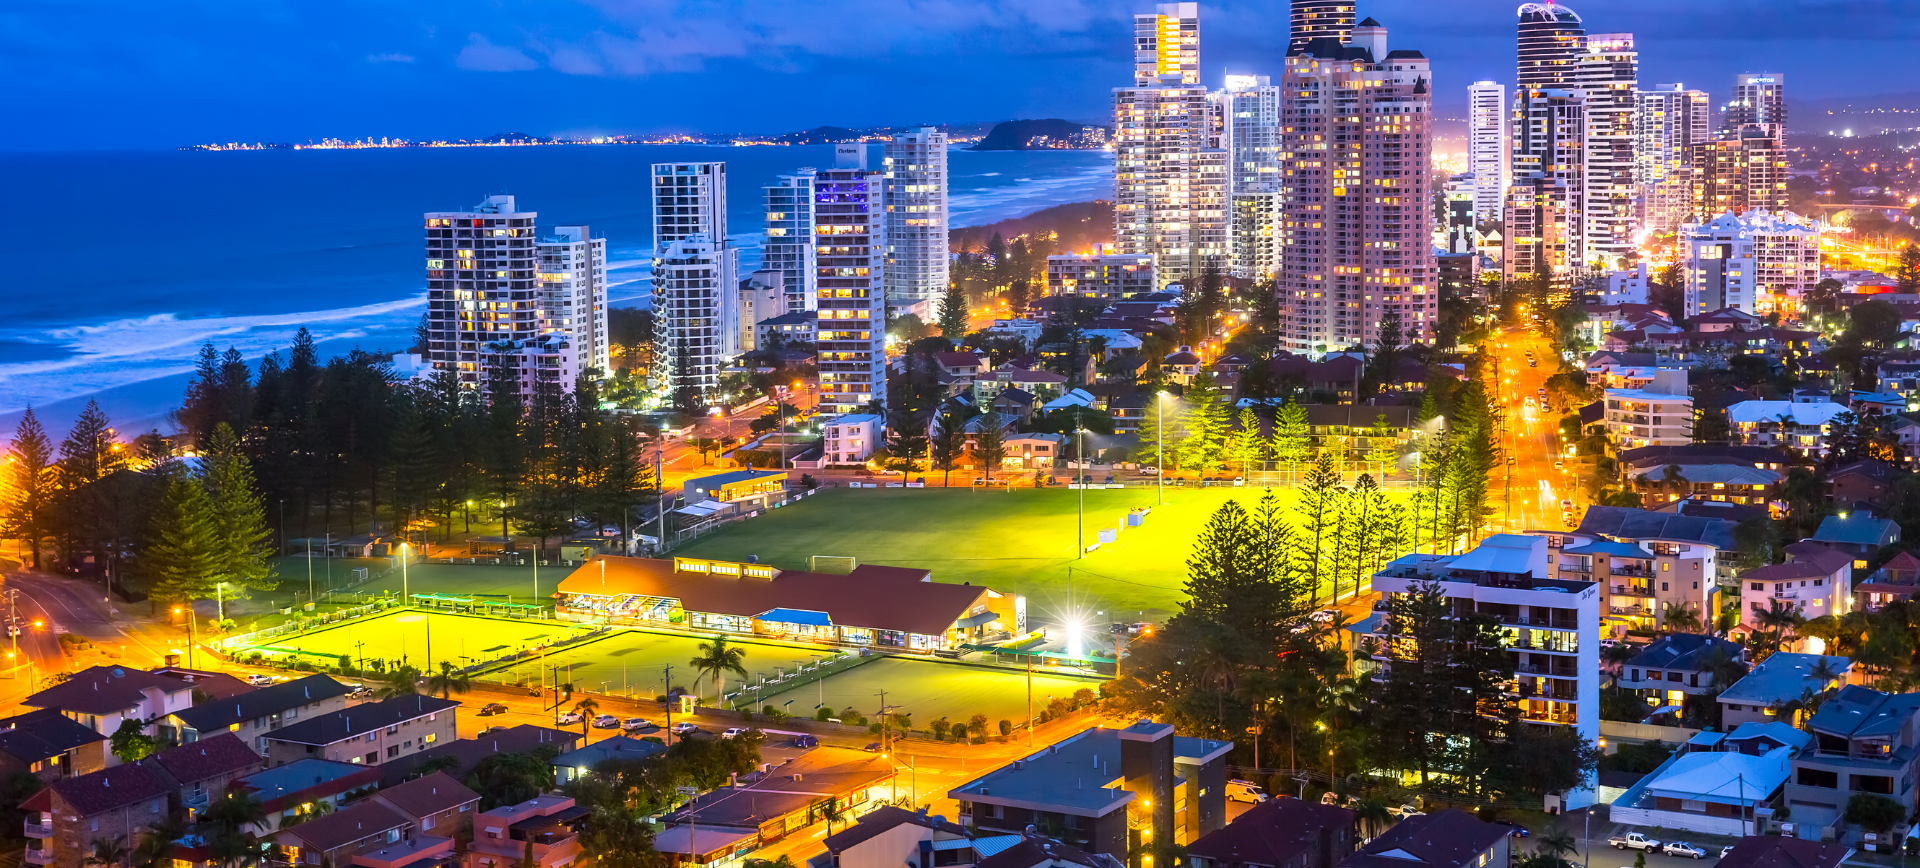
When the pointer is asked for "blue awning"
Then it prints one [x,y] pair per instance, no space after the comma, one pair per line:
[972,621]
[803,617]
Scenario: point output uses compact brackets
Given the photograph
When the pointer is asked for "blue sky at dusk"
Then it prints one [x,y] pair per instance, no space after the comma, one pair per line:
[91,74]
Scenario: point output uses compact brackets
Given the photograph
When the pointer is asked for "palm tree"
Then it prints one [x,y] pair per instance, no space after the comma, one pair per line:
[1722,666]
[449,681]
[585,708]
[402,681]
[1557,842]
[1372,811]
[1779,617]
[717,659]
[156,847]
[1682,617]
[110,852]
[235,810]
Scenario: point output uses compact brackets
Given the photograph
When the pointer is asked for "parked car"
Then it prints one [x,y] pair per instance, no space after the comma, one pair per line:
[491,730]
[260,680]
[639,724]
[1245,791]
[872,747]
[567,717]
[1325,616]
[805,741]
[491,709]
[1633,841]
[734,731]
[684,728]
[1405,811]
[606,721]
[1518,831]
[1682,848]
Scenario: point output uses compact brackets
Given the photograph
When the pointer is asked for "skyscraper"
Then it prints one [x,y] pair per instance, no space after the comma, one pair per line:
[1170,183]
[573,278]
[1739,174]
[790,240]
[1544,207]
[916,200]
[851,228]
[1758,98]
[1357,127]
[481,290]
[1551,42]
[1608,73]
[1167,42]
[1313,19]
[1489,142]
[1252,117]
[1669,121]
[695,276]
[1760,264]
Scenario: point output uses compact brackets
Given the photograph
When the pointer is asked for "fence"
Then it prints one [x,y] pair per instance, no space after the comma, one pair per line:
[1372,784]
[337,616]
[755,695]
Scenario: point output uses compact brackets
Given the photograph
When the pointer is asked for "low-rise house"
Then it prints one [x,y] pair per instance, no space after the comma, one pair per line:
[1333,379]
[468,752]
[101,697]
[962,365]
[1015,404]
[338,838]
[1660,414]
[1181,365]
[571,766]
[116,803]
[1037,852]
[1034,451]
[1815,581]
[207,685]
[1730,483]
[1897,580]
[1865,741]
[371,733]
[889,837]
[548,825]
[253,714]
[297,788]
[1678,665]
[204,770]
[1711,792]
[1802,427]
[50,745]
[1780,679]
[1281,832]
[1644,562]
[850,438]
[1861,482]
[788,328]
[1446,839]
[436,804]
[1857,535]
[1635,461]
[789,797]
[744,484]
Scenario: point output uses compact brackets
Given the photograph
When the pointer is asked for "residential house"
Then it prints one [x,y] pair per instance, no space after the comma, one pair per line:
[1865,741]
[253,714]
[1896,580]
[436,804]
[548,825]
[50,745]
[783,800]
[296,788]
[1859,483]
[1182,365]
[206,684]
[573,765]
[1814,581]
[201,771]
[1730,512]
[889,837]
[962,365]
[1015,404]
[1678,665]
[786,329]
[339,838]
[1776,851]
[1034,851]
[1660,414]
[1281,832]
[1666,560]
[1781,678]
[468,752]
[1445,839]
[1708,791]
[63,820]
[1349,431]
[101,697]
[1034,451]
[1856,534]
[1802,427]
[1730,483]
[370,733]
[1334,379]
[850,438]
[1866,404]
[1632,461]
[1039,382]
[1111,790]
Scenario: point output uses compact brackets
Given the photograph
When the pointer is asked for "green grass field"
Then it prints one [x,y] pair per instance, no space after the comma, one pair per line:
[633,662]
[1021,541]
[928,690]
[458,639]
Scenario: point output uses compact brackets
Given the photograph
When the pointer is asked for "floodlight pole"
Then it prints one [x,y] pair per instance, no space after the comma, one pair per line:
[1160,446]
[1080,485]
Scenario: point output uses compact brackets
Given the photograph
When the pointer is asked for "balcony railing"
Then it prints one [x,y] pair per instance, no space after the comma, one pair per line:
[39,857]
[1633,590]
[1637,572]
[39,830]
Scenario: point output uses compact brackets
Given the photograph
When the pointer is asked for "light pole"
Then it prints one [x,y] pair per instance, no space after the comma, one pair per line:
[1080,483]
[406,597]
[1160,444]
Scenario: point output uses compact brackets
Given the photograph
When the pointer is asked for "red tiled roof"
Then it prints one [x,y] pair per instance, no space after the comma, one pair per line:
[223,754]
[896,599]
[1272,832]
[358,823]
[103,690]
[429,795]
[106,790]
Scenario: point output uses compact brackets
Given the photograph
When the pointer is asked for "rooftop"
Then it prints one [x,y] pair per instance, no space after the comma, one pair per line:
[1723,777]
[1628,523]
[223,754]
[1073,775]
[104,690]
[361,719]
[1860,530]
[300,776]
[617,747]
[791,786]
[1683,651]
[1774,851]
[105,790]
[470,751]
[1272,832]
[429,795]
[1447,839]
[336,830]
[886,818]
[42,735]
[219,714]
[1862,712]
[1784,676]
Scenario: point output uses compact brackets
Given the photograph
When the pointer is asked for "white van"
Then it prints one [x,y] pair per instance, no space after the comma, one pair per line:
[1245,791]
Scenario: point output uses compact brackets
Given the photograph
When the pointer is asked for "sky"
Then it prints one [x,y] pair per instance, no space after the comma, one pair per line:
[131,74]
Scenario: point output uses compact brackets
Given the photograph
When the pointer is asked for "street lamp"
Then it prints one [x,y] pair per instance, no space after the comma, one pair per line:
[1160,445]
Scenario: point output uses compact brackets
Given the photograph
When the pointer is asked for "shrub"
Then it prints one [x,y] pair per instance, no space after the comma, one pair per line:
[1875,813]
[938,727]
[1006,728]
[824,714]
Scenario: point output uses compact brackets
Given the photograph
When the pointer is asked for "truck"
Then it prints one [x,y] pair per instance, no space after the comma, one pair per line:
[1633,841]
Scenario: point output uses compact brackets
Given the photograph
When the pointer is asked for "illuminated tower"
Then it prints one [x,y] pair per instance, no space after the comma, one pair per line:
[1488,145]
[1167,42]
[1313,19]
[1170,177]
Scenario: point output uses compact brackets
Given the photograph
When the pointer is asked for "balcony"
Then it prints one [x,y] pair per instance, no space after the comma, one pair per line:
[1633,590]
[1633,572]
[39,857]
[39,830]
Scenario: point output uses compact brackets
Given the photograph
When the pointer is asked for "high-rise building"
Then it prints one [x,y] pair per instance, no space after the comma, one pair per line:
[1608,73]
[1167,42]
[1670,121]
[1758,98]
[790,242]
[1551,41]
[1314,19]
[851,229]
[1738,175]
[1489,143]
[573,278]
[1760,263]
[1544,209]
[915,165]
[1100,275]
[1252,120]
[1357,127]
[695,276]
[482,292]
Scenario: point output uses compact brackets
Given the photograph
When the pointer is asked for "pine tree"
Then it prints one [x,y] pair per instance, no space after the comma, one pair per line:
[88,457]
[28,485]
[239,521]
[183,555]
[1318,512]
[953,315]
[1380,443]
[1244,446]
[949,442]
[1160,431]
[1205,420]
[989,446]
[1290,442]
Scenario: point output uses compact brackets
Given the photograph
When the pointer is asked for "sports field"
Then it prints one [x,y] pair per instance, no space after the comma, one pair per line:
[406,636]
[928,690]
[634,663]
[1021,541]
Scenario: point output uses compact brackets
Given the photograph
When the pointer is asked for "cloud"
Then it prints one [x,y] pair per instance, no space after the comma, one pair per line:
[389,58]
[481,55]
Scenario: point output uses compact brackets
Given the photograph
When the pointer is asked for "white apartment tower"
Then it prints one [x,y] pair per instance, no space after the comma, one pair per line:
[1608,73]
[915,166]
[573,278]
[695,278]
[482,292]
[1758,98]
[1544,208]
[790,243]
[1488,148]
[1252,122]
[1357,121]
[1170,183]
[1670,120]
[851,229]
[1759,263]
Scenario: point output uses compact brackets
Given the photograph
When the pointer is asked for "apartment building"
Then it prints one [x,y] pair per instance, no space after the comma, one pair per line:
[198,772]
[914,165]
[851,242]
[253,714]
[1101,275]
[1758,98]
[1251,108]
[573,278]
[346,836]
[1758,263]
[1170,174]
[1815,581]
[1802,426]
[547,825]
[1608,72]
[789,248]
[695,279]
[1679,665]
[1671,120]
[1553,625]
[370,734]
[1744,172]
[1544,208]
[63,820]
[1489,144]
[1644,562]
[102,697]
[435,804]
[1864,741]
[1660,414]
[49,745]
[482,285]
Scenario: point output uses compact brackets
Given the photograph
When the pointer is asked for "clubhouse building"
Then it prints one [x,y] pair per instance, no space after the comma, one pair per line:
[890,608]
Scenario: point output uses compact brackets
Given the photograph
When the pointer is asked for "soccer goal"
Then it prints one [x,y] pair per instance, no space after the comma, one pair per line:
[831,564]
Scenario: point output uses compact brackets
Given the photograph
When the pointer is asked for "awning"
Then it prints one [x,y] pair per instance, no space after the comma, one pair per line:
[803,617]
[972,621]
[702,509]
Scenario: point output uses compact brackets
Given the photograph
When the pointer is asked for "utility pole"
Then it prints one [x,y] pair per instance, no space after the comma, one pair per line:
[667,690]
[1080,484]
[660,490]
[1160,446]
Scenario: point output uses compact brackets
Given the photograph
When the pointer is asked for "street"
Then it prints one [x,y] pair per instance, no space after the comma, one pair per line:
[1527,495]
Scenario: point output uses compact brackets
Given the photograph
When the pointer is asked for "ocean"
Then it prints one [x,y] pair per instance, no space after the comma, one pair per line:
[126,262]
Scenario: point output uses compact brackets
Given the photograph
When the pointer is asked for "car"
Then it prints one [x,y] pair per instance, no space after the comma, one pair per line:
[260,680]
[872,747]
[1517,830]
[684,728]
[1532,363]
[567,717]
[1682,848]
[1633,841]
[1149,471]
[360,693]
[1245,791]
[1324,616]
[606,721]
[491,709]
[1405,811]
[734,732]
[491,730]
[639,724]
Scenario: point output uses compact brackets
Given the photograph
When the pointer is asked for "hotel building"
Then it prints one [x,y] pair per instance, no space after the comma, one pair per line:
[1170,178]
[573,274]
[1670,120]
[789,248]
[1488,148]
[695,277]
[481,285]
[1759,263]
[915,169]
[850,231]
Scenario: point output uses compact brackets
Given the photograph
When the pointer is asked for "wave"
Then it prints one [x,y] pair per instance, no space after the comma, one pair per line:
[120,352]
[993,204]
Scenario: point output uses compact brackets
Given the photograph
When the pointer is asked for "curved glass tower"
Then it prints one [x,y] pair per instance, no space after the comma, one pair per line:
[1313,19]
[1551,42]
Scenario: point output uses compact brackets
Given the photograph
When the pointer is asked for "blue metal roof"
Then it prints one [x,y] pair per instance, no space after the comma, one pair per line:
[804,617]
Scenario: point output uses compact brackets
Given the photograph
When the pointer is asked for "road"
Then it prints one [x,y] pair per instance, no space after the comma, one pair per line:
[1527,494]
